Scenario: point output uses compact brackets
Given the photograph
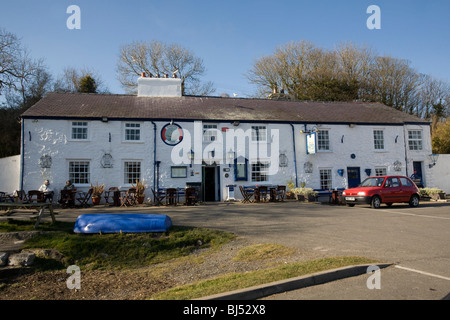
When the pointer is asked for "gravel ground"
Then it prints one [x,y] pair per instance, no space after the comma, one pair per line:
[24,284]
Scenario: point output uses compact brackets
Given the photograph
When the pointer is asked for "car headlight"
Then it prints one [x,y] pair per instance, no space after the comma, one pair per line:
[361,193]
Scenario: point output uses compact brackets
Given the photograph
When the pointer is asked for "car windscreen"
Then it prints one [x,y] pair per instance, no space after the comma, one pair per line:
[373,182]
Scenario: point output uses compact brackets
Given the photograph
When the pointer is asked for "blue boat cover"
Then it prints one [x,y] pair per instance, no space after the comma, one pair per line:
[122,222]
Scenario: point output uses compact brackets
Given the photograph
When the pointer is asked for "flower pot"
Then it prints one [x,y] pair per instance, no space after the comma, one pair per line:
[140,199]
[96,200]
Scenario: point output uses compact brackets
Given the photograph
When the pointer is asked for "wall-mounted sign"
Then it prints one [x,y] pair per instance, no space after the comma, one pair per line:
[172,134]
[45,161]
[308,167]
[311,143]
[283,160]
[397,166]
[107,161]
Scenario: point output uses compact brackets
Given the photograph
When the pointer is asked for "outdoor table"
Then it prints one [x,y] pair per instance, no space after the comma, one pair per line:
[67,198]
[263,191]
[40,205]
[171,196]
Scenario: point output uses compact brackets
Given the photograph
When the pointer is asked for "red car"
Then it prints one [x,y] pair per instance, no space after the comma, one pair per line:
[383,189]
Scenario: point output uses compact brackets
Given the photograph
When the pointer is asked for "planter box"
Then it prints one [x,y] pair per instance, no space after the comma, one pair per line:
[308,198]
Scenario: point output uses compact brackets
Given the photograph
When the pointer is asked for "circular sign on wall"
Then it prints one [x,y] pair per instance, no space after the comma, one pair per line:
[172,134]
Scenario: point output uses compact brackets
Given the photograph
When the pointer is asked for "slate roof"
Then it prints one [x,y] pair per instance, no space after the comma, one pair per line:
[96,106]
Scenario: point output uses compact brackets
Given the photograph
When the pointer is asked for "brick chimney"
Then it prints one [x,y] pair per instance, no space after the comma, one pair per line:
[158,87]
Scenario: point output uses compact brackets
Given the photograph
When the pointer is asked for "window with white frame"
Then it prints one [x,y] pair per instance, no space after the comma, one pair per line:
[178,172]
[132,172]
[260,171]
[259,133]
[381,171]
[378,139]
[325,179]
[79,130]
[323,140]
[415,139]
[79,172]
[209,132]
[132,132]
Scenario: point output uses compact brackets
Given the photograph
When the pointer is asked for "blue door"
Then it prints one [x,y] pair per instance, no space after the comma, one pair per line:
[417,175]
[353,176]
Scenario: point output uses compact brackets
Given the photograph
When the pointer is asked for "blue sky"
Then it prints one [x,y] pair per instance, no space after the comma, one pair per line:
[227,35]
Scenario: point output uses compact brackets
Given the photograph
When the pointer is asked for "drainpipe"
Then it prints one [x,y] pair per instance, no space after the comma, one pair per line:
[154,156]
[295,155]
[406,150]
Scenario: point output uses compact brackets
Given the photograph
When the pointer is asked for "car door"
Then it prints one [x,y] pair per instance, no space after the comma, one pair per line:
[407,189]
[392,190]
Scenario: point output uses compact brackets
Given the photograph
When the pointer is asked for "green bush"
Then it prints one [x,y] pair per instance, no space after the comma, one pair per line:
[429,191]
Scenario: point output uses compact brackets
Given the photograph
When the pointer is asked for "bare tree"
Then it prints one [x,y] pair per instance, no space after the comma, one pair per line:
[71,80]
[349,73]
[434,98]
[156,58]
[17,68]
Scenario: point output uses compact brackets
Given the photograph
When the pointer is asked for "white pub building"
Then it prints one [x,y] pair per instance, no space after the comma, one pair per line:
[168,140]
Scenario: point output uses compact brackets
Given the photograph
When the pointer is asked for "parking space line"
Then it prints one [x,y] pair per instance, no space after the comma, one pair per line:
[409,214]
[423,272]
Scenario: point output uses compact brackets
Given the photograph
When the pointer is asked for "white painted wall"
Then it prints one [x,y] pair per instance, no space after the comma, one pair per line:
[52,137]
[10,174]
[441,173]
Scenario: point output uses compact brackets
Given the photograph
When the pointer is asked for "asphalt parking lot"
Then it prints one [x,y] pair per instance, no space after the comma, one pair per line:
[415,240]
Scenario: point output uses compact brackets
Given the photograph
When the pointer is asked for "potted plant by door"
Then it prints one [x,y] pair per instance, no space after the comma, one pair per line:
[140,188]
[97,191]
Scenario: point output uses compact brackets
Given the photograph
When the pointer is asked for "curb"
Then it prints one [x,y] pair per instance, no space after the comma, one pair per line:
[260,291]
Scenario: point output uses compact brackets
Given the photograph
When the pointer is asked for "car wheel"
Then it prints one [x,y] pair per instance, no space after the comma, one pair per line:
[414,201]
[376,202]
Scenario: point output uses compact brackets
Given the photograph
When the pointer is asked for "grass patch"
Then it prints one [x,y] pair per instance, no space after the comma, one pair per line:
[263,251]
[115,251]
[237,281]
[11,225]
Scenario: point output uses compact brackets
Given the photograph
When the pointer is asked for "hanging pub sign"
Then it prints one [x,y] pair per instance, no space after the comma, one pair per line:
[311,143]
[172,134]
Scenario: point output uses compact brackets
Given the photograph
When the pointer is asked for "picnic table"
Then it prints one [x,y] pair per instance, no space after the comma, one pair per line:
[41,206]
